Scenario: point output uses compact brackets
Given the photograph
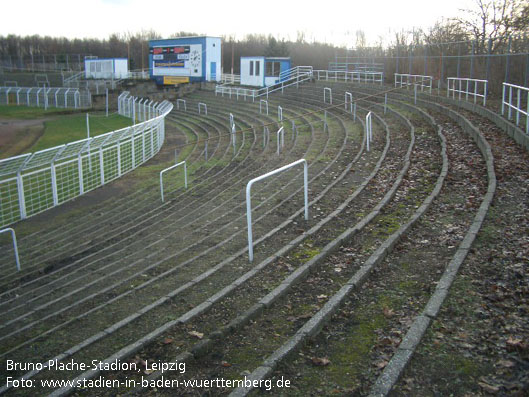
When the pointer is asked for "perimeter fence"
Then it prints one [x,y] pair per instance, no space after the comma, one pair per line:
[46,97]
[500,60]
[34,182]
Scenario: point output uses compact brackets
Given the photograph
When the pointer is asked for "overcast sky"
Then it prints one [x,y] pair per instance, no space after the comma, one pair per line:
[329,21]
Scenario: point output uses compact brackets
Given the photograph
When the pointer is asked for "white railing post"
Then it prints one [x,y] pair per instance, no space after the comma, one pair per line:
[518,107]
[233,138]
[139,109]
[280,140]
[279,113]
[368,130]
[325,90]
[168,169]
[200,105]
[15,247]
[119,158]
[80,172]
[503,99]
[350,96]
[102,166]
[134,110]
[54,194]
[265,102]
[21,196]
[249,198]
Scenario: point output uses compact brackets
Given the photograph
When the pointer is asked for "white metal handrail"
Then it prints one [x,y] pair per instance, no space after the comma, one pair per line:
[295,72]
[181,101]
[279,113]
[15,247]
[267,175]
[204,106]
[280,142]
[294,77]
[407,80]
[230,78]
[507,100]
[260,106]
[348,100]
[368,130]
[168,169]
[138,74]
[325,90]
[233,137]
[354,76]
[468,87]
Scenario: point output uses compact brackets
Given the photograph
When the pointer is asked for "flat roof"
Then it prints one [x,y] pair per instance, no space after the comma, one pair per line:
[104,59]
[262,56]
[188,37]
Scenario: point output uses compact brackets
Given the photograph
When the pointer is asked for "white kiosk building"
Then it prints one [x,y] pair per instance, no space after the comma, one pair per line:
[106,68]
[263,71]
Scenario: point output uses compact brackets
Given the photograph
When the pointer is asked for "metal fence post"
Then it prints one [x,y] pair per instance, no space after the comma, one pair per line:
[54,184]
[21,196]
[15,247]
[368,130]
[80,172]
[489,51]
[101,166]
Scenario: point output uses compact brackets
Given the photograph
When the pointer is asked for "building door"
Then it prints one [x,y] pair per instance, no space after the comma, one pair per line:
[213,71]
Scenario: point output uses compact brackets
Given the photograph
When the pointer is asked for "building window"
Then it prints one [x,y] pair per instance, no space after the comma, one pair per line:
[273,69]
[257,71]
[251,68]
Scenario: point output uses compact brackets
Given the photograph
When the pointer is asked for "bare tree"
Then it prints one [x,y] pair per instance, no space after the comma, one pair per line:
[494,20]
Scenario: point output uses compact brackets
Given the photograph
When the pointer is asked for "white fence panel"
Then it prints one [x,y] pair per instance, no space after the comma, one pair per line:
[34,182]
[516,98]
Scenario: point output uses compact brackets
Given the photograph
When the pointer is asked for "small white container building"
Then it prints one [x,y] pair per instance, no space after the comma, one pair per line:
[106,68]
[263,71]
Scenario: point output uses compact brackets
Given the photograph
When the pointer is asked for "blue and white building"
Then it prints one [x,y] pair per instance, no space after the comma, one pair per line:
[263,71]
[185,60]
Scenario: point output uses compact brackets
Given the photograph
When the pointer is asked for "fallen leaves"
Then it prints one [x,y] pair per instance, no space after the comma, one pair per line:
[382,364]
[489,388]
[388,313]
[320,361]
[196,334]
[516,344]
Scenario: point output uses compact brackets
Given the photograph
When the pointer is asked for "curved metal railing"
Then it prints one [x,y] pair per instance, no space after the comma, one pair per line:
[34,182]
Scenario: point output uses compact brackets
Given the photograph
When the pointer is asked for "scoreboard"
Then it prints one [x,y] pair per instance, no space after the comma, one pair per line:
[177,61]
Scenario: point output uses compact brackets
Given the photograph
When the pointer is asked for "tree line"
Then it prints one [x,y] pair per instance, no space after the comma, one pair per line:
[490,27]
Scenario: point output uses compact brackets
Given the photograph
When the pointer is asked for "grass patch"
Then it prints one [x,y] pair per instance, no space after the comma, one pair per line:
[71,128]
[28,113]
